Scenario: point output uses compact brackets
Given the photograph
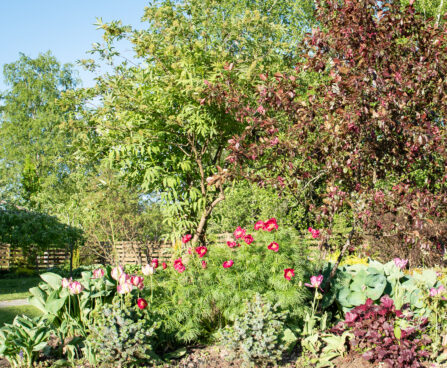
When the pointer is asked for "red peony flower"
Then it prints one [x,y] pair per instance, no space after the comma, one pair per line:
[186,238]
[289,273]
[179,266]
[155,263]
[164,265]
[273,246]
[201,251]
[248,239]
[271,225]
[204,265]
[259,225]
[228,264]
[142,303]
[232,244]
[239,232]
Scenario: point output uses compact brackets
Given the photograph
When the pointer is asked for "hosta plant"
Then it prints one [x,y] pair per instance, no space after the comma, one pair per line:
[256,335]
[354,284]
[67,303]
[387,335]
[21,341]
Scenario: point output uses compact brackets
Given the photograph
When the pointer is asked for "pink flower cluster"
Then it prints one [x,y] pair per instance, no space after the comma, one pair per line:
[240,233]
[437,291]
[268,225]
[314,232]
[126,283]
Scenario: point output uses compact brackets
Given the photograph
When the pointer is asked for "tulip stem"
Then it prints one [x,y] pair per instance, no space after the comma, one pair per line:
[151,289]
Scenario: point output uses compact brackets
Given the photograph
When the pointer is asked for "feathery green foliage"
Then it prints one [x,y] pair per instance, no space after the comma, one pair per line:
[197,302]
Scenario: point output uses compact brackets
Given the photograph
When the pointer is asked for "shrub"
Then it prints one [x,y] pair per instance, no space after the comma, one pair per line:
[386,334]
[121,335]
[255,335]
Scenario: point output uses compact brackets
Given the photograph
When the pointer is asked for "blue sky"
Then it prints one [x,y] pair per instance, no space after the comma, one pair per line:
[65,27]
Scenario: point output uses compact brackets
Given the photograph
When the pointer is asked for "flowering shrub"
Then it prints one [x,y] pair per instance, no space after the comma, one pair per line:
[196,295]
[386,334]
[255,335]
[121,335]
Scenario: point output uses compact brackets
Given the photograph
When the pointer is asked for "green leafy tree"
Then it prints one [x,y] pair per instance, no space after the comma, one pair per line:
[33,150]
[151,122]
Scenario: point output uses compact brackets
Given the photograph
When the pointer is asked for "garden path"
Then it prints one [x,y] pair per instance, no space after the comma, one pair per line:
[13,303]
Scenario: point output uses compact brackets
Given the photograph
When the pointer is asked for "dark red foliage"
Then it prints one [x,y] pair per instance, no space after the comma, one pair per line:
[358,125]
[374,329]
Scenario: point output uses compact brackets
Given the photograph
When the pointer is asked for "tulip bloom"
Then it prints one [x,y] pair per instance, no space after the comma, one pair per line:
[228,264]
[248,239]
[271,225]
[204,265]
[124,288]
[123,279]
[97,274]
[147,270]
[136,280]
[117,272]
[155,263]
[142,303]
[315,282]
[259,225]
[66,282]
[400,263]
[164,265]
[75,287]
[273,246]
[186,238]
[201,251]
[289,273]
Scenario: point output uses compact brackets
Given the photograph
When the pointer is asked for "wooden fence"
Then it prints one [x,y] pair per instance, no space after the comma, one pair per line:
[126,253]
[14,257]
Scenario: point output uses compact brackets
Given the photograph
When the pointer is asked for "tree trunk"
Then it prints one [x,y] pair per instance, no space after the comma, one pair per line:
[200,231]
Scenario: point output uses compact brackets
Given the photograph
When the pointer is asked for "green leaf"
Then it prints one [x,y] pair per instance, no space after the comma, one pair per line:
[52,279]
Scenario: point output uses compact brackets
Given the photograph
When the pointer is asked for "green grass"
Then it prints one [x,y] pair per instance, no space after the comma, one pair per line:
[7,314]
[17,288]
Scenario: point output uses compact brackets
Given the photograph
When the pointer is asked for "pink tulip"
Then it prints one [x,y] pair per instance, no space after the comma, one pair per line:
[66,282]
[75,287]
[315,282]
[147,270]
[98,273]
[117,272]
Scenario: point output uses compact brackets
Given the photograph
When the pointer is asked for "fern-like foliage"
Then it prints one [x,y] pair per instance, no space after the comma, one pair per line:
[194,304]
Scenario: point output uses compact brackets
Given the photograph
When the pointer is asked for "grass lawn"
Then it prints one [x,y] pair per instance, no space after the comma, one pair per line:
[7,314]
[17,288]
